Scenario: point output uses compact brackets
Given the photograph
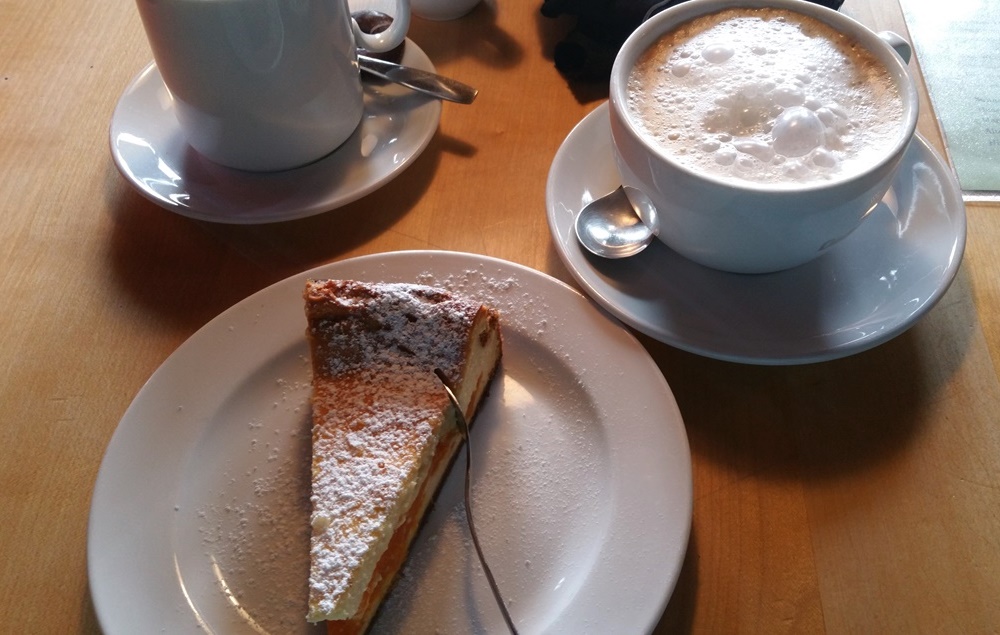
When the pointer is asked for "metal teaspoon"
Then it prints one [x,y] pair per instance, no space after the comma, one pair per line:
[419,80]
[617,225]
[463,428]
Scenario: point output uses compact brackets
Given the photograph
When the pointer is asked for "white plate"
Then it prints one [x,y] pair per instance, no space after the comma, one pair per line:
[869,288]
[150,151]
[582,477]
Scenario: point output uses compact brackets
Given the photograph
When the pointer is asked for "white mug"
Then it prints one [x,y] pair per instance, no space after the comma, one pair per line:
[750,226]
[264,85]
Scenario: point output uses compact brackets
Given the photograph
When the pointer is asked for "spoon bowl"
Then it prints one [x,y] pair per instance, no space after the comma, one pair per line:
[613,226]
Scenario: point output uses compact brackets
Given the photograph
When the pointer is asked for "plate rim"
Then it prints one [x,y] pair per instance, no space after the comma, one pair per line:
[673,430]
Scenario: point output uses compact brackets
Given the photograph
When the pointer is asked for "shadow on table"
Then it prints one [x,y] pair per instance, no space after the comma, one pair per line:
[88,621]
[475,35]
[188,271]
[820,420]
[678,617]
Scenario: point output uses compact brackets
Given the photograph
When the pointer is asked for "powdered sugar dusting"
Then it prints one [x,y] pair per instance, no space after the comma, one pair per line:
[376,408]
[368,475]
[502,292]
[244,521]
[257,544]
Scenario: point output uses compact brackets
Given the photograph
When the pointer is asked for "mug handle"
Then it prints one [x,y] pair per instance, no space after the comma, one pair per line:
[898,44]
[391,37]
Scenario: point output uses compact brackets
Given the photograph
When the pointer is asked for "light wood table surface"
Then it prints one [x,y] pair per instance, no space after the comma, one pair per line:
[854,496]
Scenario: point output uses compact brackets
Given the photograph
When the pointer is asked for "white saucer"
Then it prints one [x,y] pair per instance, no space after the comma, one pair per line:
[150,151]
[871,287]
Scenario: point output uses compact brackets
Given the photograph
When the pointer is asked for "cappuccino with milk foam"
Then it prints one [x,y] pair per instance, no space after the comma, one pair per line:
[765,96]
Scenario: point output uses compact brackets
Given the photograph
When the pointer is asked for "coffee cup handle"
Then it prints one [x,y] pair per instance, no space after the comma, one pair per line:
[898,44]
[391,37]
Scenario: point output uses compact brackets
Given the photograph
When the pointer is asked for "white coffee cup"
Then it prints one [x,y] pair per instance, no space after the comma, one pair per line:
[264,85]
[751,226]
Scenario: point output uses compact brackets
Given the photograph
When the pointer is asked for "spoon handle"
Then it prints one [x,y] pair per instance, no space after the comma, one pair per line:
[463,428]
[422,81]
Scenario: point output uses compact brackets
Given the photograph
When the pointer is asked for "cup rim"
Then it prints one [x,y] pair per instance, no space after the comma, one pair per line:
[650,30]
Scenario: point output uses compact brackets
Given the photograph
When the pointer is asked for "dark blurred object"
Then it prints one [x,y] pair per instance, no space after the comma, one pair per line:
[588,50]
[376,22]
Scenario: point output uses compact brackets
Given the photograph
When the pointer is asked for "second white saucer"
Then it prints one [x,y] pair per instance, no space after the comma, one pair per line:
[866,290]
[150,151]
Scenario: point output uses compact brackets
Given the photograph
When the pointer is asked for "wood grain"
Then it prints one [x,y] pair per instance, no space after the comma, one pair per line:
[855,496]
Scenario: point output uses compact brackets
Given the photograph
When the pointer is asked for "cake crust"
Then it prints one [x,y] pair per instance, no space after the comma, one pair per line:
[383,429]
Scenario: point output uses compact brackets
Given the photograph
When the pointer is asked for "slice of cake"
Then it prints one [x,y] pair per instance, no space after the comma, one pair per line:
[384,432]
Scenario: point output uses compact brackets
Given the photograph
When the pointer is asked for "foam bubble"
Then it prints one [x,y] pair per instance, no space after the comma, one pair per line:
[788,95]
[823,158]
[760,150]
[717,53]
[797,131]
[725,156]
[681,68]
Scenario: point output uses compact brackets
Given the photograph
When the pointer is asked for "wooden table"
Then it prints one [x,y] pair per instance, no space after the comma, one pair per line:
[859,495]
